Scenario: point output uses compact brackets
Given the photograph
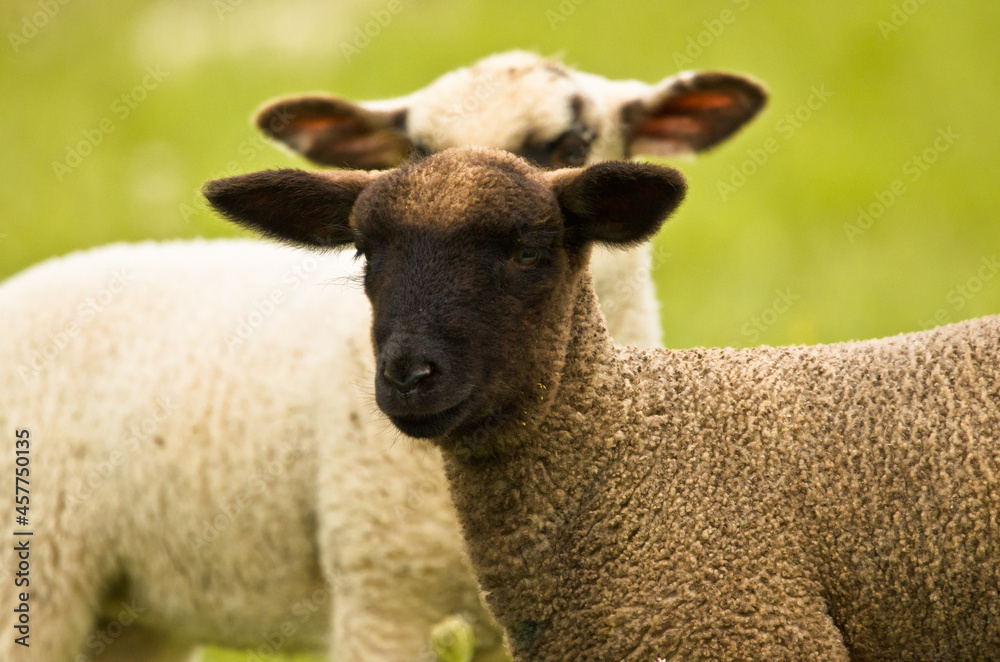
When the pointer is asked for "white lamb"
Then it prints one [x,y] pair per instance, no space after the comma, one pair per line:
[198,473]
[542,110]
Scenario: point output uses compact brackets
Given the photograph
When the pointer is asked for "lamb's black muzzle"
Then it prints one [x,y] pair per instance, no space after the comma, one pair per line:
[416,390]
[406,375]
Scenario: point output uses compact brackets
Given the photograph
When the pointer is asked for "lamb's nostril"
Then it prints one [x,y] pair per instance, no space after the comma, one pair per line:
[405,380]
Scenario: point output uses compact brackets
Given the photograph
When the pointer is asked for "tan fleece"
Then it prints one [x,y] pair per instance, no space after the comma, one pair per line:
[797,503]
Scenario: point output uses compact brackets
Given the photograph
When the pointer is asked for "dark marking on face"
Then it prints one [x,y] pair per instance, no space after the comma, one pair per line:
[419,151]
[473,262]
[570,149]
[438,247]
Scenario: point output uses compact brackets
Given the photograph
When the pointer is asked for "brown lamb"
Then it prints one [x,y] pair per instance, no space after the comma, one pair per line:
[834,502]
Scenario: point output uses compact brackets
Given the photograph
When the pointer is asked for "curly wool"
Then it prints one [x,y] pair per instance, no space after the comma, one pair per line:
[830,502]
[158,352]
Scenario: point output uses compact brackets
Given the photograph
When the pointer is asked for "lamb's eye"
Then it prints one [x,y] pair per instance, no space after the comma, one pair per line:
[361,247]
[526,257]
[571,149]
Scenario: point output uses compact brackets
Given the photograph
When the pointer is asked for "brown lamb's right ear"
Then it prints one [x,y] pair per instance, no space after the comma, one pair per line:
[299,207]
[690,112]
[617,203]
[334,132]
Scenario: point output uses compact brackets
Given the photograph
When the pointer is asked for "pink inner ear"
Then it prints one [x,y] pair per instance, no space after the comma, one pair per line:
[698,101]
[313,124]
[321,123]
[369,144]
[670,126]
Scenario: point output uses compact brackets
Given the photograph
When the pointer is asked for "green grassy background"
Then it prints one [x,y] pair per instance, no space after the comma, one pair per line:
[722,260]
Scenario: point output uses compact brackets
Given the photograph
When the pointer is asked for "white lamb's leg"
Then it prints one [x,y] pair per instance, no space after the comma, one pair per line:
[382,618]
[391,549]
[136,643]
[368,626]
[383,558]
[65,588]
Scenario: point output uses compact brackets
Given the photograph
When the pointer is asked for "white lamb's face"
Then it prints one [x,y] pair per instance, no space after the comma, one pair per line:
[522,103]
[517,102]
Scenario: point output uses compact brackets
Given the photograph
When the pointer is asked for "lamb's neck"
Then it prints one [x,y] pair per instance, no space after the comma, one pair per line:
[569,404]
[518,507]
[590,357]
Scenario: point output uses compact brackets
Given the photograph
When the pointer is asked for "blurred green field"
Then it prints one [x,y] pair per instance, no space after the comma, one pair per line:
[883,106]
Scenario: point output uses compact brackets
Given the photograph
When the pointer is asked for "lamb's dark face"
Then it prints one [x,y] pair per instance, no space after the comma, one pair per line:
[473,262]
[467,265]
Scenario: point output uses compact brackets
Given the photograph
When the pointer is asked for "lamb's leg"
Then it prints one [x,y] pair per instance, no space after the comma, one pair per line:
[390,544]
[137,644]
[374,622]
[64,591]
[456,638]
[381,618]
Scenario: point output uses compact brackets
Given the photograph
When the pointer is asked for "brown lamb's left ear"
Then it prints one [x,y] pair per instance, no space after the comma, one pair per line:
[335,132]
[617,202]
[295,206]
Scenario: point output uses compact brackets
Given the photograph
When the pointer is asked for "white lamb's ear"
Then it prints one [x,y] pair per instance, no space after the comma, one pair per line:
[617,203]
[296,206]
[690,112]
[334,132]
